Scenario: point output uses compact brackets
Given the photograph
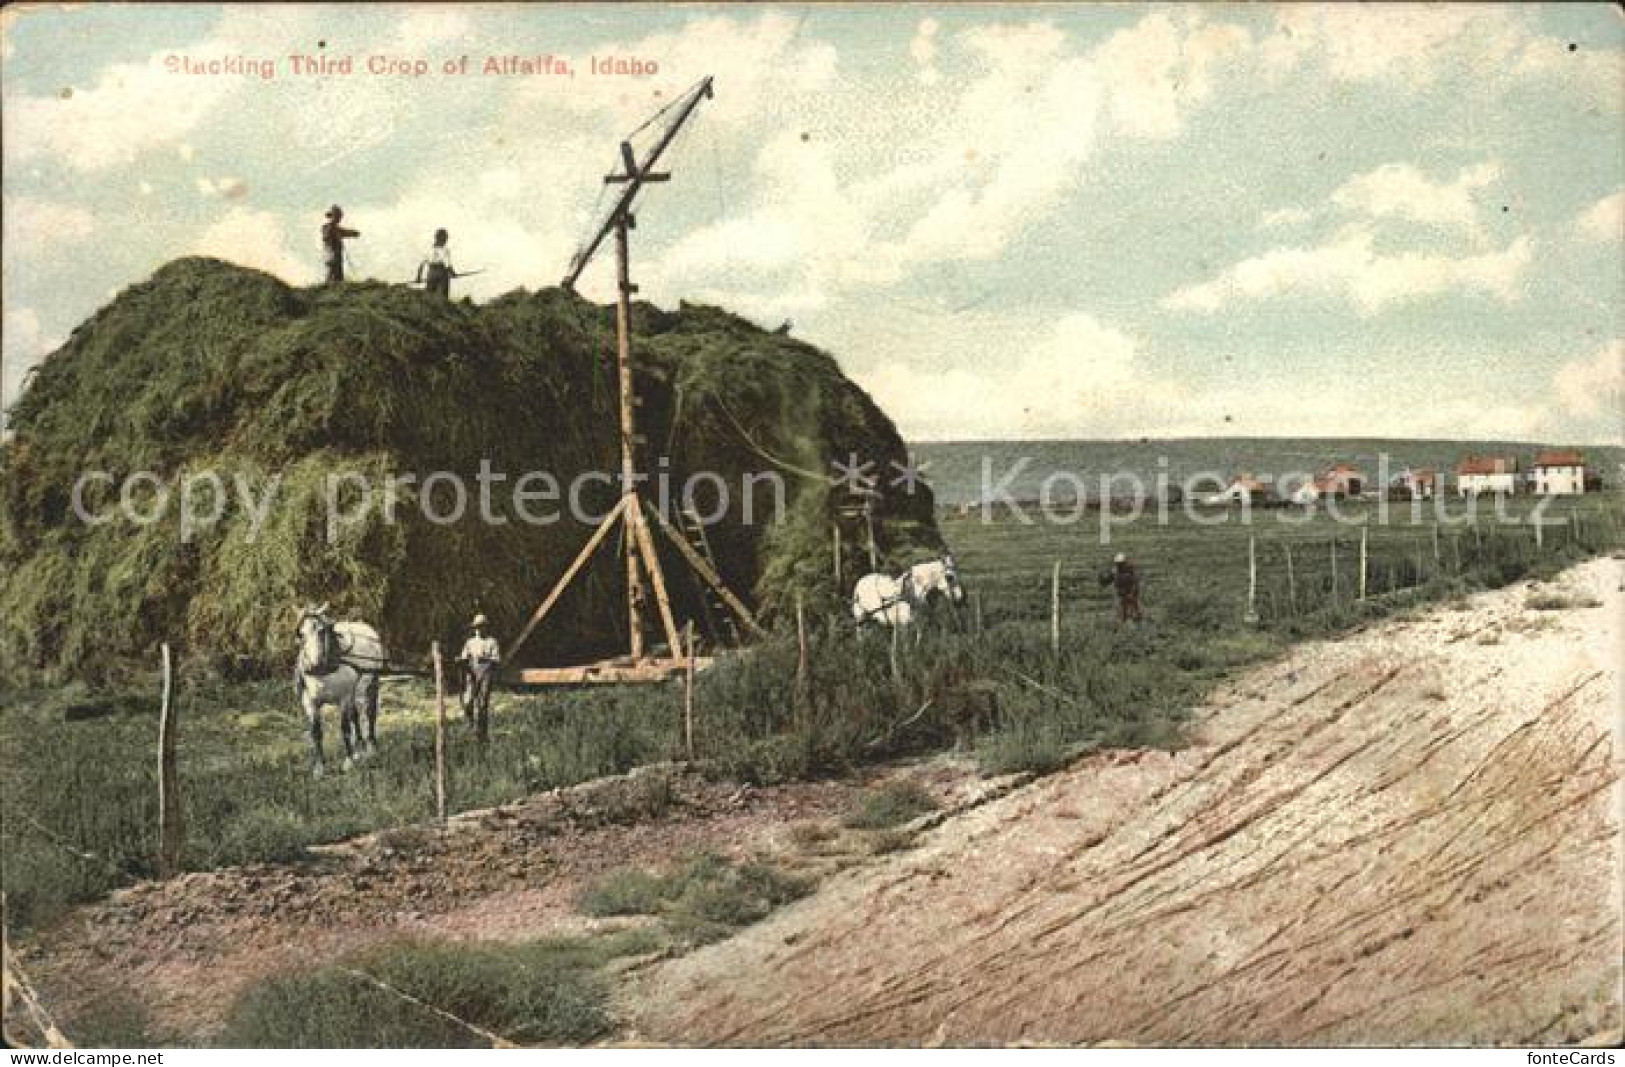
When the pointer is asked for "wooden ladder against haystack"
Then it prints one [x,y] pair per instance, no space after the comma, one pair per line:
[643,570]
[718,619]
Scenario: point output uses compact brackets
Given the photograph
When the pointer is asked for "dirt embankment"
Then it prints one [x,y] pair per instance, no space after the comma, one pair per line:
[1410,836]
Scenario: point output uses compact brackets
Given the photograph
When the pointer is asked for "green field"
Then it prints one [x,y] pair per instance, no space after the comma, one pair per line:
[78,783]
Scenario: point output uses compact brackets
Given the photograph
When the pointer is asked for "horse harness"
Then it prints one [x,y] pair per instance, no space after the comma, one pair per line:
[336,650]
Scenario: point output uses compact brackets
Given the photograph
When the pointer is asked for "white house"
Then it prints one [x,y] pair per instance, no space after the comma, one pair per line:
[1560,472]
[1486,474]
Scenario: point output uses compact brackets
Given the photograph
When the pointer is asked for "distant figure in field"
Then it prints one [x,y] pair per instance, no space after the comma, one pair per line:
[334,234]
[480,656]
[1125,580]
[437,265]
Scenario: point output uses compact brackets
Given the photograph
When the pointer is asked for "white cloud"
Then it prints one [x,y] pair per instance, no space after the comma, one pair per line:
[230,188]
[973,167]
[1349,268]
[1595,384]
[1401,191]
[1414,45]
[1285,217]
[34,224]
[1604,220]
[255,239]
[92,128]
[1078,378]
[923,50]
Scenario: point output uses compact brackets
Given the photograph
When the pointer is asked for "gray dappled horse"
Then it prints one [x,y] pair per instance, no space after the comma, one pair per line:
[339,664]
[896,601]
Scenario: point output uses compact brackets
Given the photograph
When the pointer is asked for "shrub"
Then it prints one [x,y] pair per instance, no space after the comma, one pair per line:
[540,992]
[889,806]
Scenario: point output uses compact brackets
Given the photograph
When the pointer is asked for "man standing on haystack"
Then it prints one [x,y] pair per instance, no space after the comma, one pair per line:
[480,656]
[437,264]
[333,237]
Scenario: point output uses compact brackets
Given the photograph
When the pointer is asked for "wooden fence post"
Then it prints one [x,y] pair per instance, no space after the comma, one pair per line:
[1291,581]
[1252,580]
[170,830]
[1364,560]
[439,733]
[976,609]
[840,581]
[1055,609]
[688,690]
[803,659]
[1436,546]
[1540,537]
[1334,567]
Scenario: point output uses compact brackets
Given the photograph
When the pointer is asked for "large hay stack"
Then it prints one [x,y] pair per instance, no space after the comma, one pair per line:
[211,367]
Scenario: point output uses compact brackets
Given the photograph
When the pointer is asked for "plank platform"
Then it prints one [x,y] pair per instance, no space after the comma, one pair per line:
[611,672]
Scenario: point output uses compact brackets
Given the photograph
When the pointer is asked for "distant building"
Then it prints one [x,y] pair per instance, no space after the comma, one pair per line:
[1342,480]
[1423,484]
[1558,472]
[1486,474]
[1243,489]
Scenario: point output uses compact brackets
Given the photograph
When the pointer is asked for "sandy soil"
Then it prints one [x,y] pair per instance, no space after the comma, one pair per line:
[1409,836]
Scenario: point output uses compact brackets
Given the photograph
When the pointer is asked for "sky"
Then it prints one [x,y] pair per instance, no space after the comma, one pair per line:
[1005,221]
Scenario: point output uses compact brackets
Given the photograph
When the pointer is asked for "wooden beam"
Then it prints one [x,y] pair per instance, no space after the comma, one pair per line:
[635,181]
[612,673]
[704,570]
[657,576]
[580,561]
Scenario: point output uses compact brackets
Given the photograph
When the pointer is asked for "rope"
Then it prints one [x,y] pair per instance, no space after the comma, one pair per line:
[496,1040]
[760,451]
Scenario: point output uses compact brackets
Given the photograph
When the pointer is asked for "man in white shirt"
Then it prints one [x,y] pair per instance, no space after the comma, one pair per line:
[480,656]
[437,265]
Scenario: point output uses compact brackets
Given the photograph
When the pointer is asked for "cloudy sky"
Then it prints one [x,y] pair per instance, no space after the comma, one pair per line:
[1005,221]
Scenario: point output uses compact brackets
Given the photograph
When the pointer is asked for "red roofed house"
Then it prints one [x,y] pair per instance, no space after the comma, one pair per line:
[1558,472]
[1486,474]
[1420,484]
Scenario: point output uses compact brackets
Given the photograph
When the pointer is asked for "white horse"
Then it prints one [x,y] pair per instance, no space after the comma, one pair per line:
[339,664]
[895,601]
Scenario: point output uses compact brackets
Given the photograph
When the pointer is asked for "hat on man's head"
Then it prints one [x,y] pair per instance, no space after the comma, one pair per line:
[479,620]
[335,212]
[1120,558]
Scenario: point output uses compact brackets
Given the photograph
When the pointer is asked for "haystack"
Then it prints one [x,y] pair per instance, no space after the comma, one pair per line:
[209,366]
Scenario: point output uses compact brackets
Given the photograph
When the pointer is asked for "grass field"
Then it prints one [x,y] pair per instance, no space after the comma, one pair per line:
[78,782]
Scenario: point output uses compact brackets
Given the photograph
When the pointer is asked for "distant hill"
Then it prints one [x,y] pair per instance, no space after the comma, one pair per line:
[209,366]
[955,469]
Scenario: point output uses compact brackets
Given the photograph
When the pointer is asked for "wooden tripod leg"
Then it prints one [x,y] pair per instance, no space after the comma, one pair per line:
[580,561]
[657,577]
[703,569]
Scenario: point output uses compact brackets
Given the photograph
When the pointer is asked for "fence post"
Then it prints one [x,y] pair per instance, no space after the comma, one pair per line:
[1435,546]
[1540,536]
[688,690]
[1334,567]
[439,732]
[1364,559]
[1055,609]
[976,607]
[839,579]
[1252,580]
[803,681]
[170,831]
[1291,581]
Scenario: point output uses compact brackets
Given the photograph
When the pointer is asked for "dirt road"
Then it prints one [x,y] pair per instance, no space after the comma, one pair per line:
[1408,836]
